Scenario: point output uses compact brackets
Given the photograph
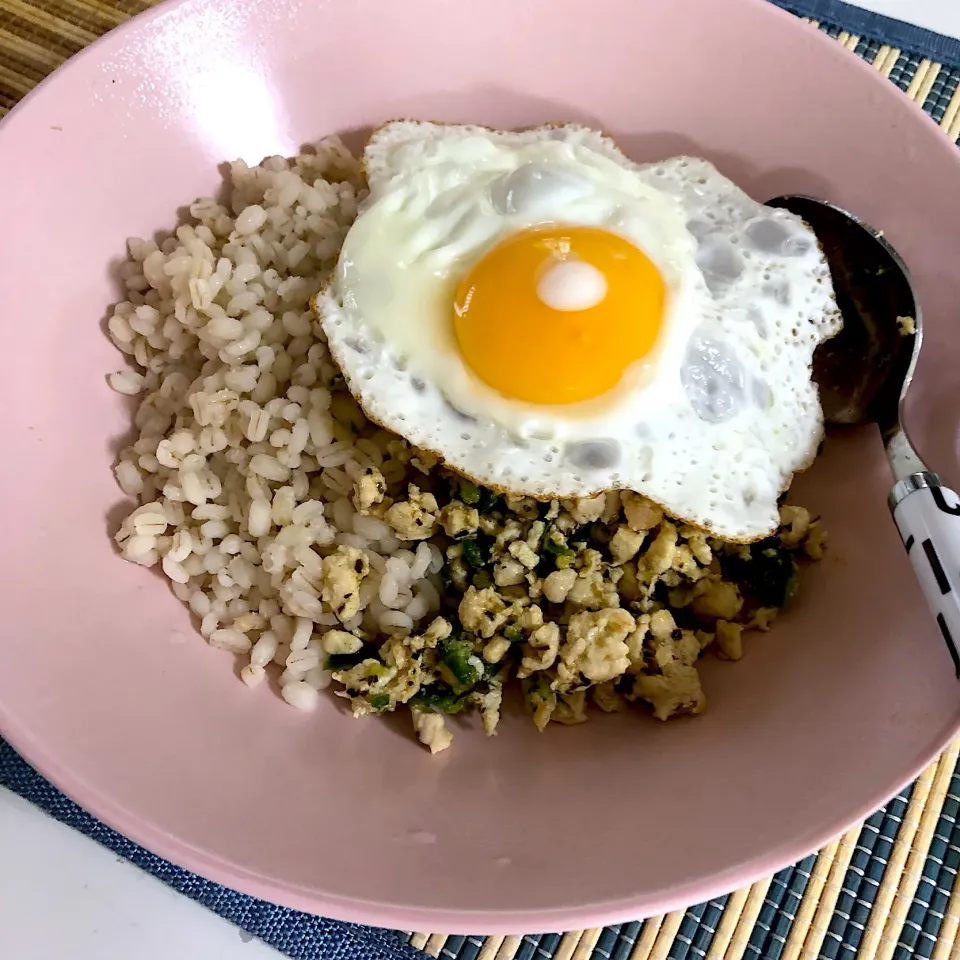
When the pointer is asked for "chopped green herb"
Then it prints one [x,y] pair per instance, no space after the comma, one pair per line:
[514,634]
[379,701]
[469,492]
[482,580]
[439,698]
[475,553]
[555,545]
[768,574]
[553,542]
[456,655]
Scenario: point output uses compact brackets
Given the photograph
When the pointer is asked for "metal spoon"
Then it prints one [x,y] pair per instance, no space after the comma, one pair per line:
[863,374]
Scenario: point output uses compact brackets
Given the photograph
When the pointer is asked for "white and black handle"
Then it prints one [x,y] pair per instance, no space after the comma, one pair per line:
[927,515]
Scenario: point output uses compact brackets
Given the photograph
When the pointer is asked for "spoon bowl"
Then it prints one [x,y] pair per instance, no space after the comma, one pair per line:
[863,374]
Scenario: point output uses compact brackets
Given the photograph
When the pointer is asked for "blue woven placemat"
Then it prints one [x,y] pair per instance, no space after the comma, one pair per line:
[296,934]
[883,30]
[829,905]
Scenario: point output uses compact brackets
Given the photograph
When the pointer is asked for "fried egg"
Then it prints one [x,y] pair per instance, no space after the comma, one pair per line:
[554,320]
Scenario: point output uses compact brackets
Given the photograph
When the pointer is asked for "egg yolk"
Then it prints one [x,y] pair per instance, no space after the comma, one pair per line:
[556,315]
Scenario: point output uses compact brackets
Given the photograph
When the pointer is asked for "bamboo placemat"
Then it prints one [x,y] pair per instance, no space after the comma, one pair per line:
[888,889]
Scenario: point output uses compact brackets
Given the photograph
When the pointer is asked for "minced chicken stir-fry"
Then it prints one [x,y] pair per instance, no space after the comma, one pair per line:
[603,600]
[321,549]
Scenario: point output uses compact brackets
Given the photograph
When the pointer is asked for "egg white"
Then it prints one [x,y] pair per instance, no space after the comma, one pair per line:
[712,425]
[433,215]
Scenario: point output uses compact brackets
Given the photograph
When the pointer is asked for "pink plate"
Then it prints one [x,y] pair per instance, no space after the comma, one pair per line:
[104,685]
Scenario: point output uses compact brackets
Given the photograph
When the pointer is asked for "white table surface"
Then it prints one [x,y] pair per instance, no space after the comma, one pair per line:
[64,897]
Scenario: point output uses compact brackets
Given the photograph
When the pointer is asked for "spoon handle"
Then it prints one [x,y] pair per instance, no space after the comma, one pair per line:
[927,514]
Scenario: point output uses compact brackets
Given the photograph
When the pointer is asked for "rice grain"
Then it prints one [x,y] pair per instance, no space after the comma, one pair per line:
[248,445]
